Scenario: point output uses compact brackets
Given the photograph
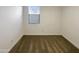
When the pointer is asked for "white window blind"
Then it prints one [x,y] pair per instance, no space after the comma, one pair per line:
[34,14]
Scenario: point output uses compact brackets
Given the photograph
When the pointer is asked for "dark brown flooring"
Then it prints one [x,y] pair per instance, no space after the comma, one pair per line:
[44,44]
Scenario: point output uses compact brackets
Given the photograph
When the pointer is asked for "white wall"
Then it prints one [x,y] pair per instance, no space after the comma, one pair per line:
[70,24]
[50,19]
[10,27]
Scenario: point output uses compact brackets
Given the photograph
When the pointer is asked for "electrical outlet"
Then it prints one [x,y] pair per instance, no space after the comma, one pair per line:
[11,40]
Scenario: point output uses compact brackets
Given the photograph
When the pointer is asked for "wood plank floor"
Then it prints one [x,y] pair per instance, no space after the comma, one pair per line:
[44,44]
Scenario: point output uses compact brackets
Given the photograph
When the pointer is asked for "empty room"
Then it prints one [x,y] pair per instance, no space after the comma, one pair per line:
[39,29]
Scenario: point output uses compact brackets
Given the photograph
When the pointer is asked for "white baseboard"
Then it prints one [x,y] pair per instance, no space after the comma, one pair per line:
[15,43]
[70,41]
[41,34]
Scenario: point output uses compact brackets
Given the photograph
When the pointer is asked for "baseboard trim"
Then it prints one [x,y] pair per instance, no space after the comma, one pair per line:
[69,41]
[16,42]
[42,35]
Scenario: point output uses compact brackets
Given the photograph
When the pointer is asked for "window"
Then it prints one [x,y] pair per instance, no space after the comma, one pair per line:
[34,14]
